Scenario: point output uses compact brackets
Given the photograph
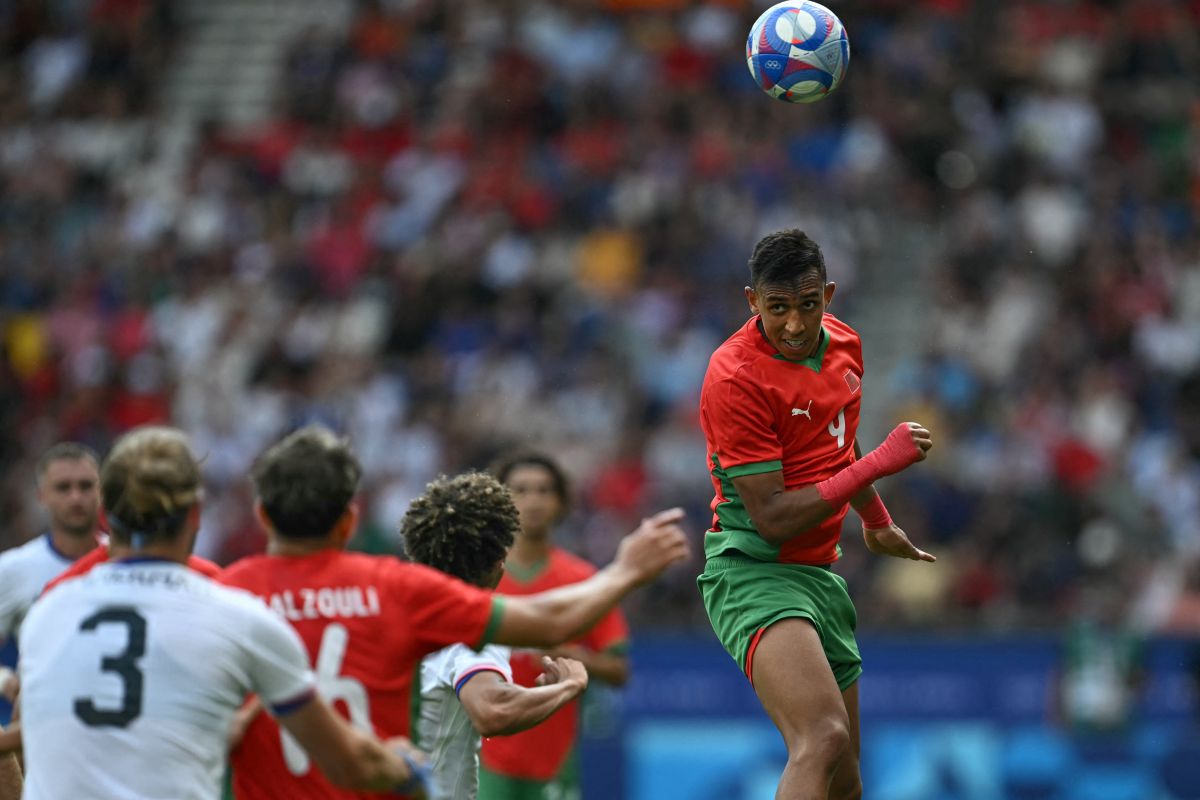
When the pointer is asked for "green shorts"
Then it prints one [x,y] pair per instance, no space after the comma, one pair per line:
[744,596]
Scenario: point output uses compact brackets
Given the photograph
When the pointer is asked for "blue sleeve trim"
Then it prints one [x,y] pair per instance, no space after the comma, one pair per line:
[463,680]
[293,705]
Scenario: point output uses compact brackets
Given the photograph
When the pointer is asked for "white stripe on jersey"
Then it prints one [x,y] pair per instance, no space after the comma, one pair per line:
[130,677]
[444,729]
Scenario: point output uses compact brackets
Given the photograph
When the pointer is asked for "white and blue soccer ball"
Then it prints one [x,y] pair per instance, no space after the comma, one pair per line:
[797,51]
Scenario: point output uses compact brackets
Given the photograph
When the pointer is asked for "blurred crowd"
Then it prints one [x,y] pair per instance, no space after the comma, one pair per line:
[475,225]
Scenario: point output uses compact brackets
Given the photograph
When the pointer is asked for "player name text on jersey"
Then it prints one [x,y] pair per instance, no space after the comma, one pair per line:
[328,603]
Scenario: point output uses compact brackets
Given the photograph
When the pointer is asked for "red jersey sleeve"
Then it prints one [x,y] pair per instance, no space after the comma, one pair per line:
[202,565]
[610,633]
[741,427]
[444,610]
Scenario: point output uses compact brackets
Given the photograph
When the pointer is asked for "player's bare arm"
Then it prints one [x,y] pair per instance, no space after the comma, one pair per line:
[242,719]
[10,739]
[882,536]
[11,782]
[780,514]
[550,618]
[499,708]
[346,756]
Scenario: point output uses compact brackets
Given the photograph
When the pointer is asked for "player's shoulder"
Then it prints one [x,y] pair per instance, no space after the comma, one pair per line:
[448,665]
[840,331]
[566,565]
[238,605]
[411,577]
[438,667]
[37,548]
[735,352]
[245,567]
[201,565]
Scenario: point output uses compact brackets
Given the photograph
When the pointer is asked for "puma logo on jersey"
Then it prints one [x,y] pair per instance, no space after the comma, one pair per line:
[803,412]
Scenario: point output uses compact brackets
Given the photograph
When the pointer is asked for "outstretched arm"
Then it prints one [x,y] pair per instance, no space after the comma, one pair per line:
[499,708]
[550,618]
[883,537]
[780,514]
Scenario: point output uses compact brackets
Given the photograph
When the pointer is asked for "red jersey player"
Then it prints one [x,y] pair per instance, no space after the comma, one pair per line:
[367,621]
[779,408]
[528,763]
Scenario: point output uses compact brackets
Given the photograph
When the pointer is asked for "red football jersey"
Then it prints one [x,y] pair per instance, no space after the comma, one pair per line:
[760,413]
[539,753]
[99,555]
[367,621]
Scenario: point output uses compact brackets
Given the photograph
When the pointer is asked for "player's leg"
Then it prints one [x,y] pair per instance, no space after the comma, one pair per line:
[794,682]
[847,781]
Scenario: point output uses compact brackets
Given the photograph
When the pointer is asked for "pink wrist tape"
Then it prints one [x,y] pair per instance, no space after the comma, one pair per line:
[875,514]
[897,452]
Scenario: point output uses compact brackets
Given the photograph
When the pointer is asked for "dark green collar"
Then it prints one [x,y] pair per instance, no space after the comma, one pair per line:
[526,574]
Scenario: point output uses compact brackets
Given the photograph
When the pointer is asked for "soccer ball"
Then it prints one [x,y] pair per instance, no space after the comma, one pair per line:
[797,51]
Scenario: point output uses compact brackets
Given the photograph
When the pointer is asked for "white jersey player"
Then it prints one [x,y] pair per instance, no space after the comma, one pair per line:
[68,487]
[144,663]
[445,729]
[132,674]
[465,694]
[24,572]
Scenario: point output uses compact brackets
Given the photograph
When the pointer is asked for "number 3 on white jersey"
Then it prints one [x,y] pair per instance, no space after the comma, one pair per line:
[332,687]
[837,428]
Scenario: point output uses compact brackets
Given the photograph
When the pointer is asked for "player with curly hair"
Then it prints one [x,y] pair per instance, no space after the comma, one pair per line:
[464,526]
[367,621]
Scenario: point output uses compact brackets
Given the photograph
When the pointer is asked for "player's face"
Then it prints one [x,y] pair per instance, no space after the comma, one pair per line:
[792,313]
[70,492]
[534,495]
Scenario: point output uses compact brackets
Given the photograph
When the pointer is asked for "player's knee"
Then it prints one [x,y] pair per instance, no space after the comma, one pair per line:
[824,744]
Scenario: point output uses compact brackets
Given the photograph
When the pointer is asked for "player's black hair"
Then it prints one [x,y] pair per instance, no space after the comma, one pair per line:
[65,451]
[783,257]
[462,525]
[305,482]
[149,482]
[504,466]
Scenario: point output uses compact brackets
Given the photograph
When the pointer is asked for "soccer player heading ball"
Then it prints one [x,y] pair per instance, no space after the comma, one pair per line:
[779,408]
